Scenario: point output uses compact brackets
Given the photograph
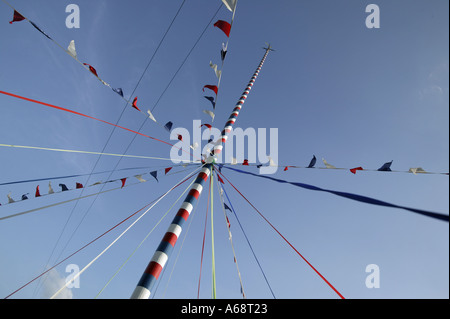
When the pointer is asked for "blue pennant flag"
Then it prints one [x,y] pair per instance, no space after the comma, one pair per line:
[313,162]
[118,91]
[386,167]
[155,174]
[168,126]
[211,99]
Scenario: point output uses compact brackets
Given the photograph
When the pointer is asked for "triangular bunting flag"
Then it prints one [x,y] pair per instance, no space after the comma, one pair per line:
[150,115]
[328,165]
[118,91]
[207,125]
[91,68]
[167,170]
[194,146]
[209,113]
[10,200]
[224,26]
[37,194]
[63,187]
[214,67]
[139,177]
[37,28]
[211,87]
[134,104]
[353,170]
[17,17]
[226,207]
[313,162]
[50,189]
[79,185]
[245,162]
[155,175]
[223,52]
[220,179]
[386,167]
[71,50]
[211,99]
[123,181]
[230,4]
[417,170]
[168,126]
[24,196]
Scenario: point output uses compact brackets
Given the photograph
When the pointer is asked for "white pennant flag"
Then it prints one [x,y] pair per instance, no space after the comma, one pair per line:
[214,67]
[139,177]
[150,115]
[10,200]
[50,189]
[233,161]
[327,165]
[209,113]
[230,4]
[71,50]
[417,170]
[271,162]
[194,146]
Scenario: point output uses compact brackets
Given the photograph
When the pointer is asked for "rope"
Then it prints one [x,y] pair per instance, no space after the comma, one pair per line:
[231,239]
[309,264]
[214,295]
[113,242]
[142,242]
[203,246]
[83,152]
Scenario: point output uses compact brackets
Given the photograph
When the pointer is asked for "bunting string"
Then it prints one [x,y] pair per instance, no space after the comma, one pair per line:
[79,186]
[359,198]
[228,225]
[386,167]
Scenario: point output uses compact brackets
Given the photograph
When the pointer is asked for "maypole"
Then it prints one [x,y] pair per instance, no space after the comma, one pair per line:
[151,274]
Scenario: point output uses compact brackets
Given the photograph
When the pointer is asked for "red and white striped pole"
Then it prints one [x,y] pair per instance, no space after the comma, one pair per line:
[151,274]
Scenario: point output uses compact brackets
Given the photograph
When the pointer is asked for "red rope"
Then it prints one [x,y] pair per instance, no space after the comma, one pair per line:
[321,276]
[90,117]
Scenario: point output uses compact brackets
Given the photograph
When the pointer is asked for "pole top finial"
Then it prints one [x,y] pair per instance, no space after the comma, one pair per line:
[268,47]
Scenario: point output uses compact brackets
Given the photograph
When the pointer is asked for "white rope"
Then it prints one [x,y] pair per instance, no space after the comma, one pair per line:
[114,241]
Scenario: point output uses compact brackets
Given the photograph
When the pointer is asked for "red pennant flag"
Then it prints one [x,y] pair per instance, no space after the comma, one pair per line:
[17,17]
[134,104]
[211,87]
[245,162]
[228,222]
[91,68]
[224,26]
[353,170]
[180,137]
[220,179]
[286,168]
[207,125]
[168,170]
[79,185]
[123,182]
[38,194]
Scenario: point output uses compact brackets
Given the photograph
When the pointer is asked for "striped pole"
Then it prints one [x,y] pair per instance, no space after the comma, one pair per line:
[164,250]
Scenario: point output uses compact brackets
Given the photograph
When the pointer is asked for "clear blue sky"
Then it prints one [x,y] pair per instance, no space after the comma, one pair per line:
[334,88]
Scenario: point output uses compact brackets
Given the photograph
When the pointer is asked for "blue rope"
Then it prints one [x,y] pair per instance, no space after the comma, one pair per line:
[248,241]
